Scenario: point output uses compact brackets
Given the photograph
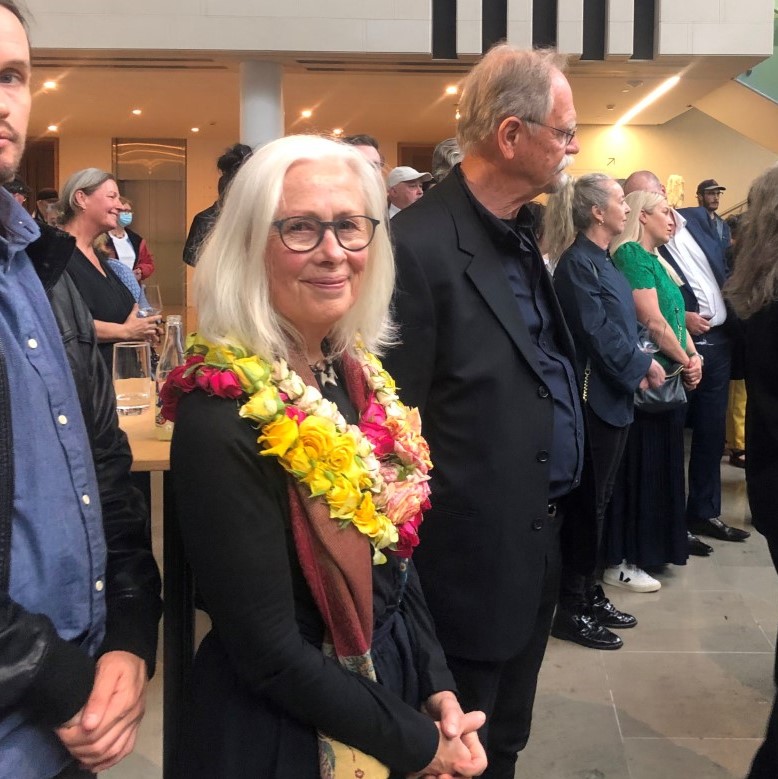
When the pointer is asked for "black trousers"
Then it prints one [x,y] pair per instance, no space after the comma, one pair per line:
[606,448]
[707,415]
[505,691]
[765,765]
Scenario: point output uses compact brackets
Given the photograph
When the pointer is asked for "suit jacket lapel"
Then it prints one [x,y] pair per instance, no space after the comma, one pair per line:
[485,271]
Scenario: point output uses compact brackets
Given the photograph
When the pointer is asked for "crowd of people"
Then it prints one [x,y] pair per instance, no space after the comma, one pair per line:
[382,567]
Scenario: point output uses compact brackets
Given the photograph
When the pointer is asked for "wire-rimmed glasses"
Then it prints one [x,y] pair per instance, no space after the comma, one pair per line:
[305,233]
[564,135]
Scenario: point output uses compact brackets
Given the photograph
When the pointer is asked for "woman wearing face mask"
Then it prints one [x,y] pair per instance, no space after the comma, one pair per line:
[127,246]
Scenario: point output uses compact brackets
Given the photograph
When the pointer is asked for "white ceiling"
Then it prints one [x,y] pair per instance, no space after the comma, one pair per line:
[390,98]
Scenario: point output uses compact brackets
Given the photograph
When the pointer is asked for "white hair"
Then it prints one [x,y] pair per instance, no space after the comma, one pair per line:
[232,289]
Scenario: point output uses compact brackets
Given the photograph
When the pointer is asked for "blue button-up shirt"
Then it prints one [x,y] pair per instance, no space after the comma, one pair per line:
[58,554]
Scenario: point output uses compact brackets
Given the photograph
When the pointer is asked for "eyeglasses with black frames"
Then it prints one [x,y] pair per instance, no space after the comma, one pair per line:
[563,135]
[305,233]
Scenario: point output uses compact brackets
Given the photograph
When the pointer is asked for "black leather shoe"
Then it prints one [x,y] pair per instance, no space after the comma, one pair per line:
[607,614]
[583,629]
[697,547]
[715,528]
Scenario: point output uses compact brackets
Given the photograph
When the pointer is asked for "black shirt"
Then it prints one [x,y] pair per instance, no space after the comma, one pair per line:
[517,250]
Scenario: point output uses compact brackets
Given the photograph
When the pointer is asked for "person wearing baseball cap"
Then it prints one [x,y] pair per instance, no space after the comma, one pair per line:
[708,195]
[404,186]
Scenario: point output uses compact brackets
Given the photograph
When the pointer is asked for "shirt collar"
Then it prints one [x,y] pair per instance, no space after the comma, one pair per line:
[20,228]
[680,221]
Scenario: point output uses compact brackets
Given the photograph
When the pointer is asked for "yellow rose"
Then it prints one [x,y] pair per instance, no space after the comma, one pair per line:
[278,436]
[252,372]
[343,498]
[297,461]
[374,524]
[317,436]
[341,456]
[318,481]
[263,406]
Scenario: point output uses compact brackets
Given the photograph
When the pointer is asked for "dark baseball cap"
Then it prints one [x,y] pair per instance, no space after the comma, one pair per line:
[47,194]
[709,185]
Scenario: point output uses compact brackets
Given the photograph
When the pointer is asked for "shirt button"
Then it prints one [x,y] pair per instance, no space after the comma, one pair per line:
[542,391]
[32,343]
[62,419]
[537,524]
[542,456]
[99,585]
[86,500]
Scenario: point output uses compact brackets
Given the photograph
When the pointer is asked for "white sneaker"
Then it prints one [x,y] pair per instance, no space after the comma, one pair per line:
[630,577]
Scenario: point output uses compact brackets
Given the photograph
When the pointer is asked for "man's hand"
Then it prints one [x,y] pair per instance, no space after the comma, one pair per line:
[696,324]
[104,731]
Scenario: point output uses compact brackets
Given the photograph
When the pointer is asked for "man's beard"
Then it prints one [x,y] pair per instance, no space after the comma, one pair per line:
[560,178]
[9,169]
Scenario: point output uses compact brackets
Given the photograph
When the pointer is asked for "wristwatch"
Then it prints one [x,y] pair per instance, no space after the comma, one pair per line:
[697,354]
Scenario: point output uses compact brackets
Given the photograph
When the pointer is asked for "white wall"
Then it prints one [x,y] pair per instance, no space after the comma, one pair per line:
[686,27]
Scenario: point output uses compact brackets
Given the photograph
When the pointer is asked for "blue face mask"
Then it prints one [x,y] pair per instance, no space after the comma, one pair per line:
[125,218]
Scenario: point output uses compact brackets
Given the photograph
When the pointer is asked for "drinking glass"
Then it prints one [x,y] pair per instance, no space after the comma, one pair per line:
[648,343]
[132,376]
[152,305]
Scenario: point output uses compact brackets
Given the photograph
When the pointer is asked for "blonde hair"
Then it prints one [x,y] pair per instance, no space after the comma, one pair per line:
[558,228]
[638,201]
[506,82]
[232,289]
[754,281]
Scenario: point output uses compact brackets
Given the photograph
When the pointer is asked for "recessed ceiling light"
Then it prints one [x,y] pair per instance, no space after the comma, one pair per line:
[457,115]
[195,129]
[137,111]
[52,128]
[306,114]
[49,84]
[610,106]
[338,131]
[453,89]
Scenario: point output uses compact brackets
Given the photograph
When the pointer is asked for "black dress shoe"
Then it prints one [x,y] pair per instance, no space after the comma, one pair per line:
[697,547]
[715,528]
[583,629]
[606,614]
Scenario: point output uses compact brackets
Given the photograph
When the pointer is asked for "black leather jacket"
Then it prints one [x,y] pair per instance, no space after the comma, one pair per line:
[40,674]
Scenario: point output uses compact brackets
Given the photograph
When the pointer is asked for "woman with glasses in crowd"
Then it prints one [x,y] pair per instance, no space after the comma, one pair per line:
[300,478]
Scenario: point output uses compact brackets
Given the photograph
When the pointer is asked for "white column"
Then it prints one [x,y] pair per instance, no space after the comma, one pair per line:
[261,102]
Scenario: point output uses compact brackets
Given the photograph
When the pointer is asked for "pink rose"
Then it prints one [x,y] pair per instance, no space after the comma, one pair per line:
[293,412]
[373,427]
[223,384]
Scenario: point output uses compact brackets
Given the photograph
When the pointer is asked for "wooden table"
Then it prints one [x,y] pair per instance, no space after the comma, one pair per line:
[149,454]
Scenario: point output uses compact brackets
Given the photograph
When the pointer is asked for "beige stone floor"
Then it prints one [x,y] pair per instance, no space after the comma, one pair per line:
[687,697]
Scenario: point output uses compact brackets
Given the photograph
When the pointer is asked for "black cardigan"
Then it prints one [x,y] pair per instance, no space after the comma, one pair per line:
[234,514]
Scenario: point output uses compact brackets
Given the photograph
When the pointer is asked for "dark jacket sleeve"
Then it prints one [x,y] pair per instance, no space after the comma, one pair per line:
[431,666]
[233,510]
[198,231]
[579,291]
[413,365]
[40,673]
[132,577]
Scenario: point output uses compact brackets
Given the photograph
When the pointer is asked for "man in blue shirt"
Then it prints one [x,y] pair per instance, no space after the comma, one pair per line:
[79,589]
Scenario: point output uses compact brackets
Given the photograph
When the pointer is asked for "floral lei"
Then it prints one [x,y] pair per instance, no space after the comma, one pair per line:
[372,475]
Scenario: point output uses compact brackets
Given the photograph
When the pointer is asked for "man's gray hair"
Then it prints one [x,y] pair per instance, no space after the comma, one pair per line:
[445,156]
[506,82]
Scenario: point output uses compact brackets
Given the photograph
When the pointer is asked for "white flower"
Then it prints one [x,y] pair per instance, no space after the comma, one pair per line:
[293,385]
[279,370]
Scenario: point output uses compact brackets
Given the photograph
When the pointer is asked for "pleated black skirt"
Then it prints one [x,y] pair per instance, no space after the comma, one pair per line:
[646,522]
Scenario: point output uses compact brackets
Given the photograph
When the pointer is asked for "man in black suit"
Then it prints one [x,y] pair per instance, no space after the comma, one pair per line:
[708,197]
[698,257]
[488,359]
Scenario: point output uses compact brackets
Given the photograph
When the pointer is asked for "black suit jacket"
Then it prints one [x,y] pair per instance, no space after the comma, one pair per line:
[468,363]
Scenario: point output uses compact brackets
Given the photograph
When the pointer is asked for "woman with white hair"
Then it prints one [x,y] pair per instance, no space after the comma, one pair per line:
[89,207]
[300,479]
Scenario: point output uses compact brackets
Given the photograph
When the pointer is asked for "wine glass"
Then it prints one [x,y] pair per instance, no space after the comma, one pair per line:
[648,343]
[702,340]
[150,303]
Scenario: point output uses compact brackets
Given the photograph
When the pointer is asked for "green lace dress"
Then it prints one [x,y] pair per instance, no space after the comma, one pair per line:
[644,271]
[645,523]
